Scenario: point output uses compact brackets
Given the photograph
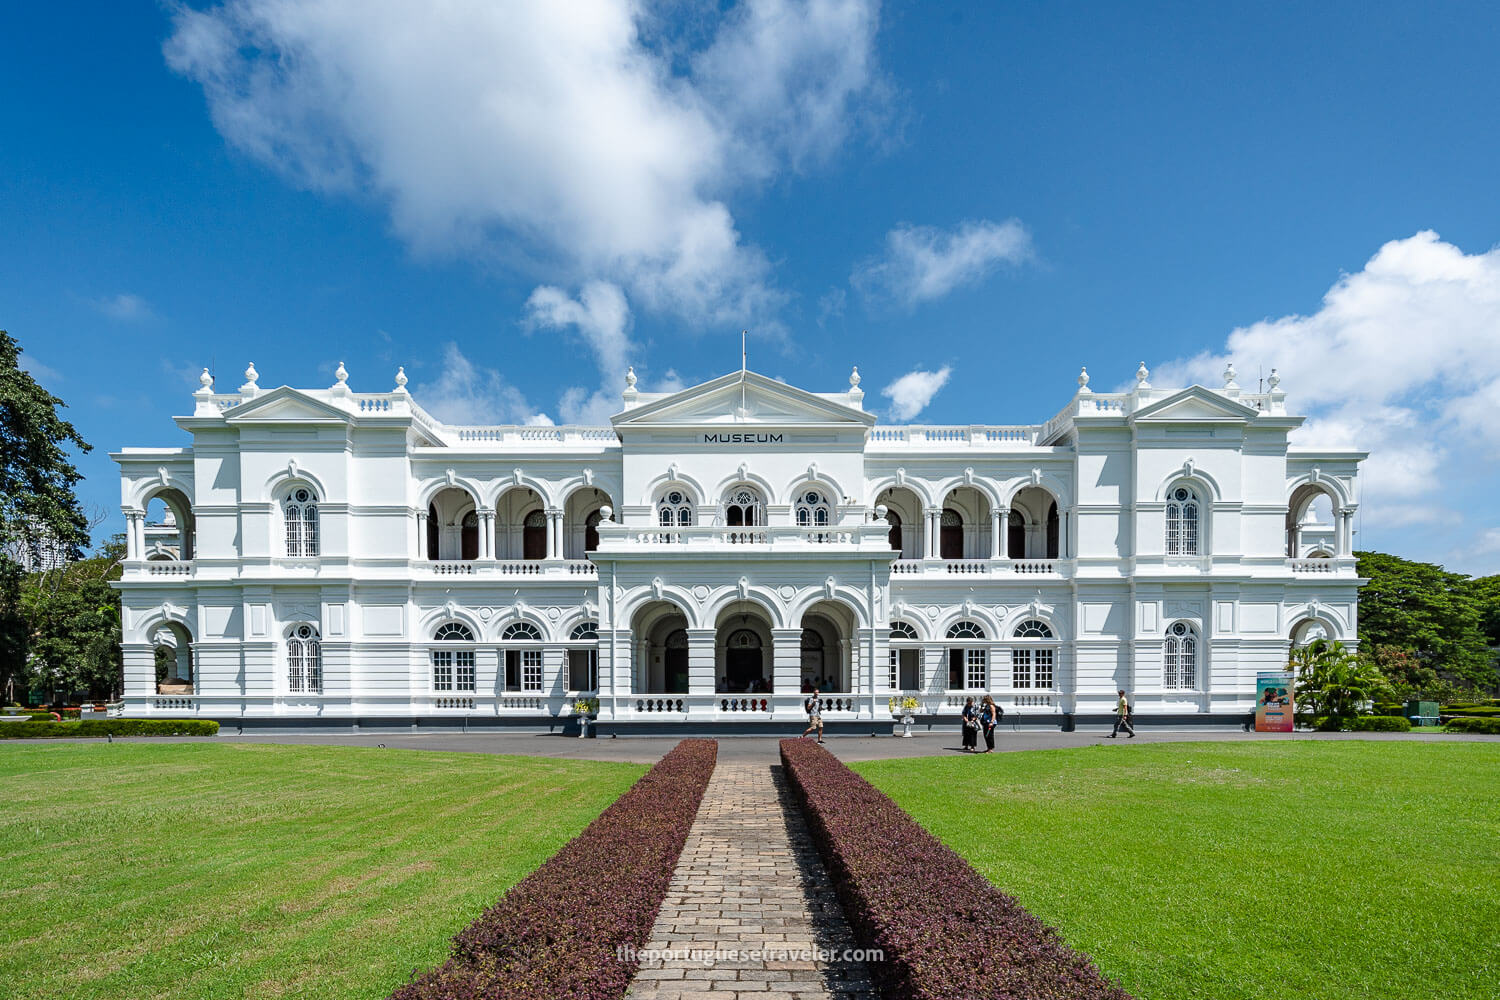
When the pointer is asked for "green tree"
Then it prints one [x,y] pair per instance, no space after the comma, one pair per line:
[1486,593]
[74,617]
[1333,682]
[1422,607]
[39,511]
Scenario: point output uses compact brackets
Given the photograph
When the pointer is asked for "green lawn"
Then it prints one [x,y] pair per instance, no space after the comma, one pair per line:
[136,871]
[1220,871]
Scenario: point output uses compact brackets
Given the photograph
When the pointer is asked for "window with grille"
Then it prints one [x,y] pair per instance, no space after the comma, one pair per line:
[977,669]
[521,632]
[1033,629]
[1180,658]
[895,664]
[903,630]
[453,632]
[1031,668]
[1182,522]
[300,509]
[674,509]
[812,509]
[743,508]
[965,630]
[531,670]
[304,654]
[442,670]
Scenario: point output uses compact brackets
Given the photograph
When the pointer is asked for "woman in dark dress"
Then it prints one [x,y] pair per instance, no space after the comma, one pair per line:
[989,718]
[970,725]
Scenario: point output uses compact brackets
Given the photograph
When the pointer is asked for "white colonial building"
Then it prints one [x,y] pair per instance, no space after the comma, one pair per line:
[337,555]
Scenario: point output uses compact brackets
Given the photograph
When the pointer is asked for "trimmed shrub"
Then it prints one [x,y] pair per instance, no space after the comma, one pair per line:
[1487,727]
[557,931]
[945,930]
[1379,724]
[1471,711]
[108,727]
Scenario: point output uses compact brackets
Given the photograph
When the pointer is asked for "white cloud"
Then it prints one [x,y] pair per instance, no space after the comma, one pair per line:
[910,394]
[466,393]
[124,307]
[922,263]
[1401,360]
[562,136]
[601,316]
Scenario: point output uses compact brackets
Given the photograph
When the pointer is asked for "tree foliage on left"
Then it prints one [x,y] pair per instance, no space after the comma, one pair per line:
[39,511]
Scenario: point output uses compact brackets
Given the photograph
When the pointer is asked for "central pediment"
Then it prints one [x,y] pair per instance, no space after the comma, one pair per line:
[1196,405]
[742,399]
[285,405]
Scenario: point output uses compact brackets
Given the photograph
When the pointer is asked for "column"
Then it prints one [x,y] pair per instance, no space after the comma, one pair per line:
[421,534]
[554,534]
[486,534]
[134,535]
[932,547]
[701,665]
[999,520]
[1344,536]
[786,664]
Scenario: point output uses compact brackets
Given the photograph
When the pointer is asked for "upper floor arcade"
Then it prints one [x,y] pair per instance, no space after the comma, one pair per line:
[1150,482]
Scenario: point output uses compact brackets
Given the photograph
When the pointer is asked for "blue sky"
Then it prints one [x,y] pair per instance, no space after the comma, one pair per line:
[515,200]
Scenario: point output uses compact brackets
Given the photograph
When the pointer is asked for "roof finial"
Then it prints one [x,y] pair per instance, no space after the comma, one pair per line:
[250,377]
[206,381]
[630,377]
[1229,382]
[1274,380]
[854,377]
[1083,380]
[400,378]
[744,366]
[1142,377]
[341,373]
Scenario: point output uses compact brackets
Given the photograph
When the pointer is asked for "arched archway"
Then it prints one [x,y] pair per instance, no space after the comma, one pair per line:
[1034,512]
[904,515]
[660,649]
[581,516]
[169,527]
[1312,523]
[742,649]
[828,654]
[173,648]
[520,525]
[452,525]
[966,524]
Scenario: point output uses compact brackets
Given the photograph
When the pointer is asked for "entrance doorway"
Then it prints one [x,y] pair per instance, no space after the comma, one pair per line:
[676,662]
[744,664]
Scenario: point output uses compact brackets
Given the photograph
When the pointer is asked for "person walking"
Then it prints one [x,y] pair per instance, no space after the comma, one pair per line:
[814,715]
[970,725]
[1122,718]
[989,718]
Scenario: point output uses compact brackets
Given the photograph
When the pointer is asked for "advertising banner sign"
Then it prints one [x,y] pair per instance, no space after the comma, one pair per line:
[1273,703]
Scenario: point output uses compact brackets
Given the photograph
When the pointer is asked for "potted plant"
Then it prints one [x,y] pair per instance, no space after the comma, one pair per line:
[585,709]
[903,706]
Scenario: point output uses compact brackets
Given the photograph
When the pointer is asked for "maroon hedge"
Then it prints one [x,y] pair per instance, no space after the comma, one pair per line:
[945,931]
[555,933]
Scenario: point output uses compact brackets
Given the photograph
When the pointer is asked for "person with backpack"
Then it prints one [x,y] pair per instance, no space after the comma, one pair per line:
[814,709]
[989,718]
[1122,718]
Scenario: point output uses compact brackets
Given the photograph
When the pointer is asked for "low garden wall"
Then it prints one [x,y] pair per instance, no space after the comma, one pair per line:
[557,932]
[945,930]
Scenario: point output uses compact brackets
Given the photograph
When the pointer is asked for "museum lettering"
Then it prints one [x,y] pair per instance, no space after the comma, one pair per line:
[742,439]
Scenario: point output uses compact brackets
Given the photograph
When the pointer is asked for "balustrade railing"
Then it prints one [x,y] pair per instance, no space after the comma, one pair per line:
[1314,565]
[975,435]
[614,536]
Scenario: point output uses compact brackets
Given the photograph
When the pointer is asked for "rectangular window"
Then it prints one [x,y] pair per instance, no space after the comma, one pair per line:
[442,670]
[955,670]
[531,670]
[512,670]
[583,670]
[463,662]
[977,662]
[309,532]
[1020,668]
[911,675]
[895,664]
[1043,675]
[298,678]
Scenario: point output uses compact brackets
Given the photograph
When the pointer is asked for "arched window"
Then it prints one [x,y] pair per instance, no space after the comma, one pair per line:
[1033,629]
[1180,658]
[534,536]
[674,509]
[434,532]
[743,508]
[304,657]
[300,509]
[453,669]
[965,630]
[951,535]
[523,667]
[903,631]
[468,536]
[1182,522]
[812,509]
[1030,666]
[583,664]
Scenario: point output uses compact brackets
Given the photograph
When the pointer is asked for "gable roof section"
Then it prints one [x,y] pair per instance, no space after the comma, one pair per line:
[766,402]
[1196,405]
[285,405]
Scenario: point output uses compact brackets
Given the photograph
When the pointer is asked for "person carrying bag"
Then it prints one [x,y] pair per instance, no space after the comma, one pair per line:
[970,725]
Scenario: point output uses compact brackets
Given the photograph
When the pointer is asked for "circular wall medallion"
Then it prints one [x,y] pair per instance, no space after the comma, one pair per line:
[700,592]
[787,592]
[554,613]
[932,611]
[486,613]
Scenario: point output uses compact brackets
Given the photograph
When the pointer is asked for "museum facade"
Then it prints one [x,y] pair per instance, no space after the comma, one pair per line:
[716,552]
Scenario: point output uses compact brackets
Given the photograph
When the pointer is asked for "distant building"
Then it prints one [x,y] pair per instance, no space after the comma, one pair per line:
[714,551]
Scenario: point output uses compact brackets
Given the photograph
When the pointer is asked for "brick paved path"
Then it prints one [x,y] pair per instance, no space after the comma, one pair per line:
[750,879]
